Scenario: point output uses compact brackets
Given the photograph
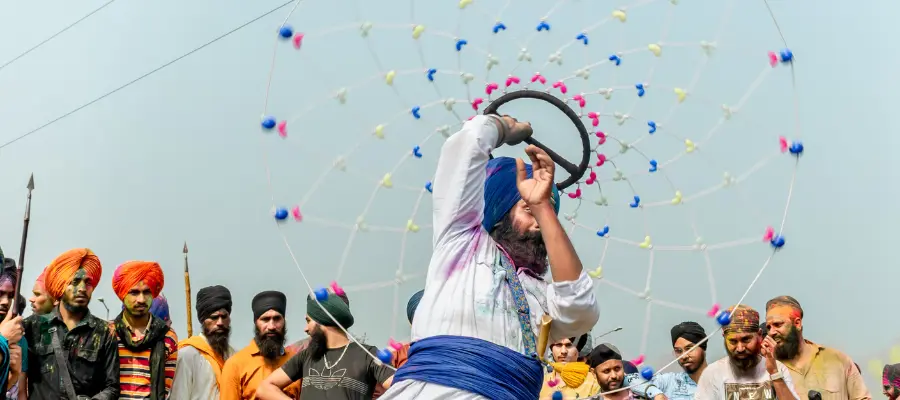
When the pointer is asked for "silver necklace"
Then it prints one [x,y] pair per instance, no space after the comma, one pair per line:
[338,360]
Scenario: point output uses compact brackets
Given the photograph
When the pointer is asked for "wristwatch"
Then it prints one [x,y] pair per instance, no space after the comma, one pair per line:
[776,376]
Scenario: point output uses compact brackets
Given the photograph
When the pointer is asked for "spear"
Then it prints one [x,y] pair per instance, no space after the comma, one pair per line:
[19,268]
[187,293]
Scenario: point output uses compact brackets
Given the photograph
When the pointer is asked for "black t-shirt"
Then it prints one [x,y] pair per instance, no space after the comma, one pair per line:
[352,377]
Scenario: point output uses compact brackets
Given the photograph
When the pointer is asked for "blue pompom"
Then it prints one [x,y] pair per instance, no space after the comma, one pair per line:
[385,356]
[268,122]
[778,241]
[724,318]
[557,395]
[321,294]
[286,32]
[647,373]
[796,148]
[281,213]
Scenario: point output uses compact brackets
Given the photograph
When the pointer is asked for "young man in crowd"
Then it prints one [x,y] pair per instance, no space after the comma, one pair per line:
[201,358]
[566,373]
[41,302]
[148,347]
[682,385]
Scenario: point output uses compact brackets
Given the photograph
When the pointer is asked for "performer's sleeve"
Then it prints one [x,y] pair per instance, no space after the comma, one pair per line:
[572,306]
[171,342]
[458,193]
[230,386]
[184,375]
[110,358]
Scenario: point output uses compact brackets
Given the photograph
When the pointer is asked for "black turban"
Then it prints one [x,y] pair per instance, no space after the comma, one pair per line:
[211,299]
[413,304]
[690,331]
[336,306]
[601,354]
[269,300]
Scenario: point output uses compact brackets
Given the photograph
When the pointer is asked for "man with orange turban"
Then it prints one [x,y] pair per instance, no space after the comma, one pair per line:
[72,353]
[148,347]
[41,302]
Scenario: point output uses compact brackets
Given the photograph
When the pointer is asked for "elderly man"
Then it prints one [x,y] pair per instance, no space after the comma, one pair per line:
[148,347]
[202,357]
[495,225]
[750,371]
[813,366]
[244,371]
[71,352]
[355,371]
[41,302]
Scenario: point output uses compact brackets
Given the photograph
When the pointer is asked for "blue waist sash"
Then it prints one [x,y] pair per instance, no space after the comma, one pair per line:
[473,365]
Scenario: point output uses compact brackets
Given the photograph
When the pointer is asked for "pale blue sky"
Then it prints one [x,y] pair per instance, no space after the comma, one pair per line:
[180,156]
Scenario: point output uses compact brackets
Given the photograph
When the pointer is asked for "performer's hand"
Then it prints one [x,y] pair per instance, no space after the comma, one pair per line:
[11,328]
[768,351]
[516,131]
[537,190]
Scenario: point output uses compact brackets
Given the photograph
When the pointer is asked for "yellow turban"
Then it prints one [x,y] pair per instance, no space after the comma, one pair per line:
[573,373]
[60,272]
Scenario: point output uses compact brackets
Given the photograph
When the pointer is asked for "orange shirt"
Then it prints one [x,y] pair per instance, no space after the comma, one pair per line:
[246,369]
[400,358]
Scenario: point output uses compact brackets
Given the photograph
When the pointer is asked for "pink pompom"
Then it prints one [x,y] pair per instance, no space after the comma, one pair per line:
[713,311]
[296,213]
[298,40]
[282,128]
[337,289]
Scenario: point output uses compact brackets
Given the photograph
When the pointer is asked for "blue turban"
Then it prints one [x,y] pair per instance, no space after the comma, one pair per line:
[413,304]
[501,192]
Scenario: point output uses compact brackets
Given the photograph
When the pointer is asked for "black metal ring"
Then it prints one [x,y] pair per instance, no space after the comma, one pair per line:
[575,172]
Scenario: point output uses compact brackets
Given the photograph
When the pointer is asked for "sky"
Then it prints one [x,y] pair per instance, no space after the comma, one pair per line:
[179,156]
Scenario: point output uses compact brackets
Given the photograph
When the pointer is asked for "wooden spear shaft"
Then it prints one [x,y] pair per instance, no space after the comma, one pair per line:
[187,293]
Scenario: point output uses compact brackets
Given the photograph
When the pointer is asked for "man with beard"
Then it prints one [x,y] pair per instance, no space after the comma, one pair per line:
[750,371]
[148,347]
[202,357]
[331,367]
[890,381]
[41,302]
[244,371]
[71,352]
[495,225]
[609,371]
[566,373]
[813,366]
[692,358]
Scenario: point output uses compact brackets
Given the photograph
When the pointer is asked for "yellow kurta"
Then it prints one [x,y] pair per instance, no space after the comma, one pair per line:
[587,389]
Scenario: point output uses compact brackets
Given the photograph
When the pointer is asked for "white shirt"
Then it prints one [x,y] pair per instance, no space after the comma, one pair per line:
[194,377]
[718,382]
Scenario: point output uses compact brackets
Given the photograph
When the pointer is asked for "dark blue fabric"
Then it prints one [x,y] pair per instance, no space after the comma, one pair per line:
[474,365]
[413,304]
[501,192]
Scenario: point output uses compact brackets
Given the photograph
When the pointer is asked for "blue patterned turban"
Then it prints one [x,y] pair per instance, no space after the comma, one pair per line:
[501,192]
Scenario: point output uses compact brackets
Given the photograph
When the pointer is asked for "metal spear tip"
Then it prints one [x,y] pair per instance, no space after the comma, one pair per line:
[31,182]
[185,248]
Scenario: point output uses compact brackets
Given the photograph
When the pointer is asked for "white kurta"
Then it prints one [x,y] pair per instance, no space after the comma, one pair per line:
[465,295]
[194,377]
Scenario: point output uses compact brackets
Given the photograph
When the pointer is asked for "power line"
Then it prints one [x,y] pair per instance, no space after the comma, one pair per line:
[153,71]
[56,34]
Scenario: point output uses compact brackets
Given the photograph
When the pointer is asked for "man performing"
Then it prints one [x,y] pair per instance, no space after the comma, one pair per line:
[495,225]
[202,357]
[750,371]
[812,366]
[682,385]
[41,303]
[890,380]
[566,374]
[148,348]
[244,371]
[71,352]
[331,367]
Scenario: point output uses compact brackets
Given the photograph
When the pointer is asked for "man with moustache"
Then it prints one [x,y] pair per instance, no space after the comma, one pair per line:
[750,371]
[609,371]
[495,226]
[246,369]
[202,357]
[812,366]
[692,358]
[41,302]
[890,381]
[331,367]
[566,373]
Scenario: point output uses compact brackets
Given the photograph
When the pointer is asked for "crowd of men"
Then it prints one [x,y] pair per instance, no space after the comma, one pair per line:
[505,314]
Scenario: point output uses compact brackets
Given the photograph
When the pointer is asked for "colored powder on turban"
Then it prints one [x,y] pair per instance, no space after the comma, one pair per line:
[744,320]
[61,271]
[160,308]
[413,304]
[501,192]
[690,331]
[601,354]
[335,306]
[131,273]
[211,299]
[269,300]
[891,376]
[40,280]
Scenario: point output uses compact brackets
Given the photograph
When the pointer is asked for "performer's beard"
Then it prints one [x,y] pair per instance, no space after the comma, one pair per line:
[270,343]
[527,249]
[318,343]
[218,340]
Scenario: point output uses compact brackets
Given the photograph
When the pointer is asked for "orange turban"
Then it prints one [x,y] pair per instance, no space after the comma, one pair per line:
[132,272]
[60,272]
[40,279]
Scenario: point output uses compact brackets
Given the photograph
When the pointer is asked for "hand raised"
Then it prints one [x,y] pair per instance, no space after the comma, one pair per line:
[768,351]
[11,328]
[538,189]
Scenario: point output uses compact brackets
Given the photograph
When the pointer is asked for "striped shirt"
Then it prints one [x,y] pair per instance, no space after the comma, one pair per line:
[134,367]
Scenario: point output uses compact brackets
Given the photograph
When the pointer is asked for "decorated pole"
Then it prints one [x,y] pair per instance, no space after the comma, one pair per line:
[187,293]
[20,266]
